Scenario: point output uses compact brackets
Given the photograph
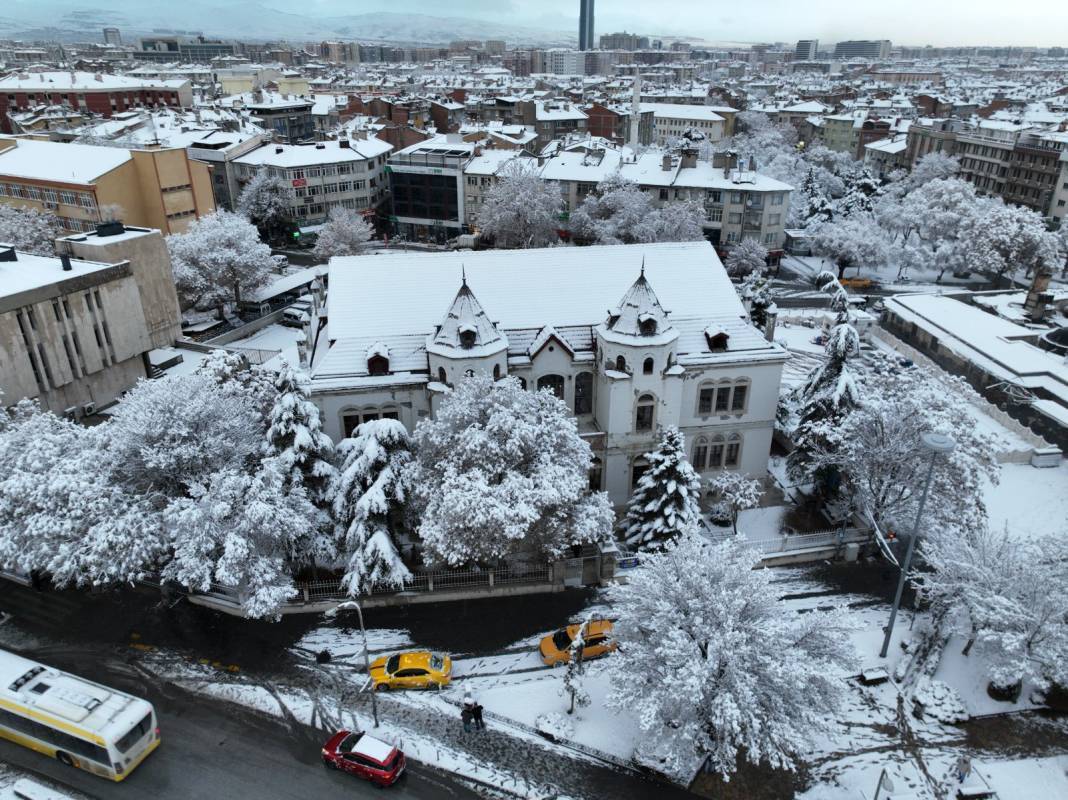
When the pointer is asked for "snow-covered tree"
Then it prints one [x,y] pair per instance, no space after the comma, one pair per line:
[265,202]
[500,470]
[813,204]
[218,257]
[368,495]
[712,665]
[855,241]
[737,492]
[862,189]
[237,529]
[344,234]
[28,229]
[756,290]
[1003,238]
[936,165]
[175,431]
[574,684]
[883,465]
[619,212]
[233,374]
[521,209]
[1008,596]
[296,436]
[748,256]
[666,501]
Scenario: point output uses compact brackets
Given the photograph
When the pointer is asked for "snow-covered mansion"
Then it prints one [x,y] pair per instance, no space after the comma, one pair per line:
[630,337]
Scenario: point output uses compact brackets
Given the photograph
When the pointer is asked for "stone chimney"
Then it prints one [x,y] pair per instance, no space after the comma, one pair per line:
[1038,297]
[772,313]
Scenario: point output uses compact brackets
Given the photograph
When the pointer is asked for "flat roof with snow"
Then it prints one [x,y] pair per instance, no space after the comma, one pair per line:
[60,162]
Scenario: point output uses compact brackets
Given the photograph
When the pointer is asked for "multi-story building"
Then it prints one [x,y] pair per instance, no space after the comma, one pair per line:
[672,120]
[807,50]
[552,119]
[1059,206]
[483,172]
[76,329]
[426,183]
[1035,170]
[112,36]
[97,93]
[986,152]
[675,348]
[869,49]
[585,37]
[348,173]
[931,136]
[81,184]
[218,149]
[289,117]
[614,123]
[175,49]
[621,41]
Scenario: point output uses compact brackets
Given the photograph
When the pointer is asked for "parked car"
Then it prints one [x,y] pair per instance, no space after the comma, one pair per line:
[419,669]
[365,757]
[556,647]
[296,315]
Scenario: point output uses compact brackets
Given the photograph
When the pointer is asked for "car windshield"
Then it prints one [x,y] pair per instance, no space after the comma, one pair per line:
[393,664]
[561,640]
[437,662]
[349,742]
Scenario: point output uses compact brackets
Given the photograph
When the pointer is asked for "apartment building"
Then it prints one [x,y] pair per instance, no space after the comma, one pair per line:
[614,123]
[866,49]
[96,93]
[76,329]
[348,173]
[426,182]
[552,119]
[986,153]
[932,136]
[1059,206]
[672,120]
[153,188]
[1035,168]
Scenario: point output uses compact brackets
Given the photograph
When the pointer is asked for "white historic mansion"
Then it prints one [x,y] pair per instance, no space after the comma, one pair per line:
[631,337]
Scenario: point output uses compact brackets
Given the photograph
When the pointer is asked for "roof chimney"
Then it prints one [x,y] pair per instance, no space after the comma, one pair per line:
[7,253]
[666,162]
[64,259]
[110,229]
[343,143]
[279,150]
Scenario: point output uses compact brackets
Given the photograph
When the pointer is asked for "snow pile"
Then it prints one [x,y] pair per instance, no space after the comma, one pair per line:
[556,725]
[941,701]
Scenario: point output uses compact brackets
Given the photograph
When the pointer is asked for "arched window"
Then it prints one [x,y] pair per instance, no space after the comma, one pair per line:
[522,383]
[740,396]
[553,382]
[723,397]
[715,452]
[496,372]
[390,413]
[734,450]
[645,412]
[700,453]
[647,366]
[621,364]
[442,377]
[596,474]
[349,422]
[378,365]
[584,393]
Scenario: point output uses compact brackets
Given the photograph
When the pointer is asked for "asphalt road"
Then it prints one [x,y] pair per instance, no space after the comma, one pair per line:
[215,751]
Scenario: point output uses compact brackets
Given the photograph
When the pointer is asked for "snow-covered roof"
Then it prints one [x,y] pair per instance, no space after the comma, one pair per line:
[639,313]
[59,162]
[680,111]
[302,155]
[891,146]
[79,82]
[466,328]
[30,272]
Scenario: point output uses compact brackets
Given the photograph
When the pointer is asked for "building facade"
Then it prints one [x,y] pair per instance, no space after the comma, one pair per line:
[807,50]
[404,328]
[427,188]
[585,37]
[867,49]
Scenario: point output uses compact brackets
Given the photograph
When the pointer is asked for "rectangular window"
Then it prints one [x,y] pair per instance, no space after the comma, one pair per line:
[734,218]
[344,169]
[723,394]
[700,455]
[345,186]
[715,456]
[705,399]
[776,199]
[774,219]
[769,238]
[330,188]
[739,397]
[736,197]
[644,420]
[716,215]
[732,455]
[86,201]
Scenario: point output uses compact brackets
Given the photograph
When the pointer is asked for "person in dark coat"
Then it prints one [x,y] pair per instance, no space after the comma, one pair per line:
[466,716]
[476,712]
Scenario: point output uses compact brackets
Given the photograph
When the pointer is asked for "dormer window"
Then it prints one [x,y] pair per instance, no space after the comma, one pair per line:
[647,325]
[717,340]
[377,365]
[467,338]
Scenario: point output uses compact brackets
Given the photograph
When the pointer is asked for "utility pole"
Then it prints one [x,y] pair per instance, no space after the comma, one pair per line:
[936,444]
[350,605]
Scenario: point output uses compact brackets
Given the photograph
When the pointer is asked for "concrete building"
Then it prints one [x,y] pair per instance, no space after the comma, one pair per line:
[623,41]
[76,330]
[96,93]
[675,347]
[349,173]
[551,119]
[184,51]
[864,49]
[807,50]
[152,188]
[218,149]
[427,188]
[585,37]
[932,136]
[613,123]
[112,36]
[1059,206]
[672,120]
[288,116]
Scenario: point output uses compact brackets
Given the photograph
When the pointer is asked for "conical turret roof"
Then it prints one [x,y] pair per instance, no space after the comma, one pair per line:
[639,313]
[466,327]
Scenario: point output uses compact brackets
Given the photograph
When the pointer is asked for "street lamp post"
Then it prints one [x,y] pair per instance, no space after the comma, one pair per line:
[349,605]
[936,444]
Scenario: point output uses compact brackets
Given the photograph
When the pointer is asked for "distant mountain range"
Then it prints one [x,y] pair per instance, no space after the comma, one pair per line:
[69,21]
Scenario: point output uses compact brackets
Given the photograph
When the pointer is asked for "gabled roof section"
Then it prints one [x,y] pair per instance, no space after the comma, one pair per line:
[466,329]
[639,313]
[545,335]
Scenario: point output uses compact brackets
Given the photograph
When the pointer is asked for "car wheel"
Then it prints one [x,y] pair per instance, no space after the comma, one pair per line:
[382,687]
[63,758]
[328,763]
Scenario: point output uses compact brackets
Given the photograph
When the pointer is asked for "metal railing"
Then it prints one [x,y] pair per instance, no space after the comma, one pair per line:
[792,542]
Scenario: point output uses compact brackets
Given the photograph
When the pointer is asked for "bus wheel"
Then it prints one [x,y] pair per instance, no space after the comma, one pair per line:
[64,758]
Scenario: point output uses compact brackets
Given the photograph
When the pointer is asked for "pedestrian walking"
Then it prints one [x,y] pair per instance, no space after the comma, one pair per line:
[476,711]
[466,716]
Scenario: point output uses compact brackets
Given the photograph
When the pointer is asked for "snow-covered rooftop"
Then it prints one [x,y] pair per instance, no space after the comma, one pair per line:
[300,155]
[681,111]
[30,272]
[59,162]
[78,81]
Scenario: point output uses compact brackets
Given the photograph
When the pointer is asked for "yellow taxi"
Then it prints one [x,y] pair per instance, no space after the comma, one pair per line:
[419,669]
[556,647]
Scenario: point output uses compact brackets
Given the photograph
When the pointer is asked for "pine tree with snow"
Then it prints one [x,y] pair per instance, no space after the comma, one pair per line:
[815,205]
[369,494]
[756,290]
[29,230]
[344,234]
[295,435]
[862,189]
[521,209]
[737,492]
[219,257]
[666,501]
[729,670]
[745,258]
[232,372]
[265,202]
[501,470]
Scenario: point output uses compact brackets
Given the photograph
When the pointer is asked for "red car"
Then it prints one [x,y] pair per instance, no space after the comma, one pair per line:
[364,756]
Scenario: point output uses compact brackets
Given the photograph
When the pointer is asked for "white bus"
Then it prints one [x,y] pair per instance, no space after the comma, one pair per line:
[78,722]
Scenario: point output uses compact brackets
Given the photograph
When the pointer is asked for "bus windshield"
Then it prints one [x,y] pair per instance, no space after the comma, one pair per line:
[133,736]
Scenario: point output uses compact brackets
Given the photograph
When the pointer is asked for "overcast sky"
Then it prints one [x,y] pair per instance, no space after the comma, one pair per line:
[912,22]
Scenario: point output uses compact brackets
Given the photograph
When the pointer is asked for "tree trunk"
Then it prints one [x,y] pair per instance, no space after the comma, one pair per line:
[842,265]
